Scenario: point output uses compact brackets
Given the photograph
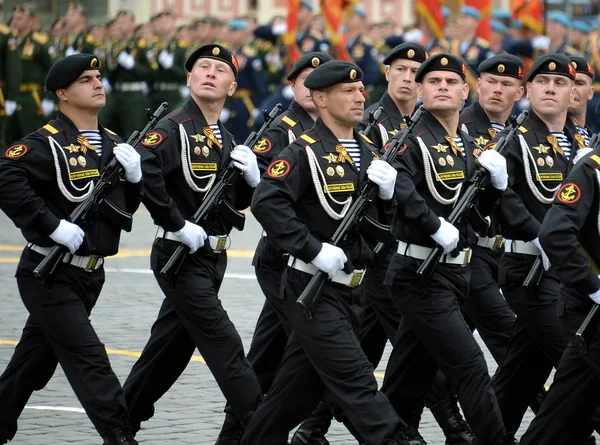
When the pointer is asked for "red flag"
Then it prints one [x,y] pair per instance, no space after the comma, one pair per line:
[289,38]
[530,12]
[485,7]
[431,11]
[334,11]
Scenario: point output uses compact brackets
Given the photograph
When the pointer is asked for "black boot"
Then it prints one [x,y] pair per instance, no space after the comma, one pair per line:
[231,432]
[120,436]
[589,441]
[447,415]
[312,431]
[406,436]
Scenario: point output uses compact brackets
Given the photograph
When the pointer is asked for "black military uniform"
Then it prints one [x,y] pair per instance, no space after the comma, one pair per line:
[433,332]
[191,315]
[569,236]
[272,328]
[321,354]
[583,134]
[37,195]
[537,165]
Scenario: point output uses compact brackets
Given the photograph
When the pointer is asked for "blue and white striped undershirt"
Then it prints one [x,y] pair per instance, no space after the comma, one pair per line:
[459,142]
[353,150]
[563,142]
[217,131]
[94,138]
[584,134]
[496,126]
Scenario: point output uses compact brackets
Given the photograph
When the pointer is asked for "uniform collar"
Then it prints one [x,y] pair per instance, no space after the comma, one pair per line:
[391,110]
[303,117]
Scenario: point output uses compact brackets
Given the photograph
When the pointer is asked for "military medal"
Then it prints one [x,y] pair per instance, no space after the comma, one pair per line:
[492,132]
[85,144]
[442,162]
[580,140]
[549,161]
[343,155]
[211,137]
[540,162]
[81,161]
[450,160]
[440,148]
[205,151]
[340,171]
[73,162]
[455,148]
[554,144]
[330,171]
[197,151]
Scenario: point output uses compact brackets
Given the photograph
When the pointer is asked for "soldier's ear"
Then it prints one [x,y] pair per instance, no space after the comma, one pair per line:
[387,73]
[61,94]
[232,89]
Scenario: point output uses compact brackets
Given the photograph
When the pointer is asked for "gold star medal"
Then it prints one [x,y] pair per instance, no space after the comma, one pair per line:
[198,137]
[541,149]
[440,148]
[481,141]
[72,148]
[330,158]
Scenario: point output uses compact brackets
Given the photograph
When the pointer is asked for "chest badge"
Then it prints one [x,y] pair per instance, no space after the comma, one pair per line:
[441,148]
[481,141]
[340,171]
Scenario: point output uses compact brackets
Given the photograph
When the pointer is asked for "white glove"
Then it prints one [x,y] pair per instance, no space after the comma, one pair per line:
[192,235]
[47,107]
[126,60]
[166,59]
[384,175]
[581,153]
[225,115]
[495,164]
[596,296]
[330,259]
[184,92]
[279,29]
[245,160]
[446,236]
[131,162]
[541,42]
[107,86]
[10,106]
[545,259]
[70,51]
[414,35]
[69,235]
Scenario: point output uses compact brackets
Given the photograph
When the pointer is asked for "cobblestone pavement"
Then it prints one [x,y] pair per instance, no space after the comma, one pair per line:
[191,412]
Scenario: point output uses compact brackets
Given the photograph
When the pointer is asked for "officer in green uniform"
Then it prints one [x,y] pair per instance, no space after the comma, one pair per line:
[128,73]
[76,40]
[29,56]
[166,57]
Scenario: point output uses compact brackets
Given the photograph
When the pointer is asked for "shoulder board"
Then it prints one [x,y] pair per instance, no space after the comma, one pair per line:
[183,43]
[141,43]
[155,39]
[593,161]
[287,122]
[179,116]
[248,51]
[305,140]
[482,42]
[4,29]
[366,41]
[367,139]
[40,37]
[90,39]
[48,130]
[523,130]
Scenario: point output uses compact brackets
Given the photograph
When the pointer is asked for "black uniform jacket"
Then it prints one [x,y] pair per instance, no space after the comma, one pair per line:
[287,205]
[390,120]
[29,179]
[168,196]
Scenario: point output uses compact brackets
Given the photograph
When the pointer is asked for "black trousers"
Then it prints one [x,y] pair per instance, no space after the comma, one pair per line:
[537,341]
[191,317]
[322,354]
[434,334]
[566,414]
[58,330]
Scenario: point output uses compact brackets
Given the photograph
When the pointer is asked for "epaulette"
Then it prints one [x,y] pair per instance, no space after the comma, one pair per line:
[183,43]
[48,130]
[305,140]
[179,117]
[366,41]
[522,129]
[141,43]
[90,39]
[482,42]
[4,29]
[367,139]
[593,161]
[40,37]
[286,122]
[248,51]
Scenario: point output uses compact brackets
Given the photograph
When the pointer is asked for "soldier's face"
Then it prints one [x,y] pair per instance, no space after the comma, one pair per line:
[87,92]
[498,93]
[21,21]
[344,103]
[301,93]
[442,91]
[401,79]
[550,94]
[211,80]
[583,91]
[73,17]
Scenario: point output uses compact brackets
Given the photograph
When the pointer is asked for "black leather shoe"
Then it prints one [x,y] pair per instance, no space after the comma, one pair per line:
[120,436]
[312,431]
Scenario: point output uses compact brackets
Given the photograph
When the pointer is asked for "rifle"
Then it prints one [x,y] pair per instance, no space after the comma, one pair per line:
[466,202]
[580,334]
[215,199]
[373,117]
[47,268]
[355,217]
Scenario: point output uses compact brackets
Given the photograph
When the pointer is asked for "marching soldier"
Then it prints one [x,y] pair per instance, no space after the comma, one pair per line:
[538,161]
[433,333]
[29,57]
[76,39]
[128,73]
[167,59]
[322,353]
[578,36]
[191,315]
[272,328]
[578,110]
[44,177]
[360,48]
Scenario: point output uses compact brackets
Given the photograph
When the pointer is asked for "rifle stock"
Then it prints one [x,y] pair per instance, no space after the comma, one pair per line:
[464,204]
[214,199]
[47,268]
[309,298]
[535,274]
[580,334]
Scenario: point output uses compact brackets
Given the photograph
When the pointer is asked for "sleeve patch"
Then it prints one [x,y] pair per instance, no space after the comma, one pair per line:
[152,139]
[262,146]
[16,151]
[569,193]
[278,168]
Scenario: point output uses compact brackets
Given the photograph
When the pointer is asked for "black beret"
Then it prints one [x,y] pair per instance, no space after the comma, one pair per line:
[308,60]
[552,64]
[442,62]
[66,71]
[332,73]
[213,51]
[408,51]
[503,65]
[582,66]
